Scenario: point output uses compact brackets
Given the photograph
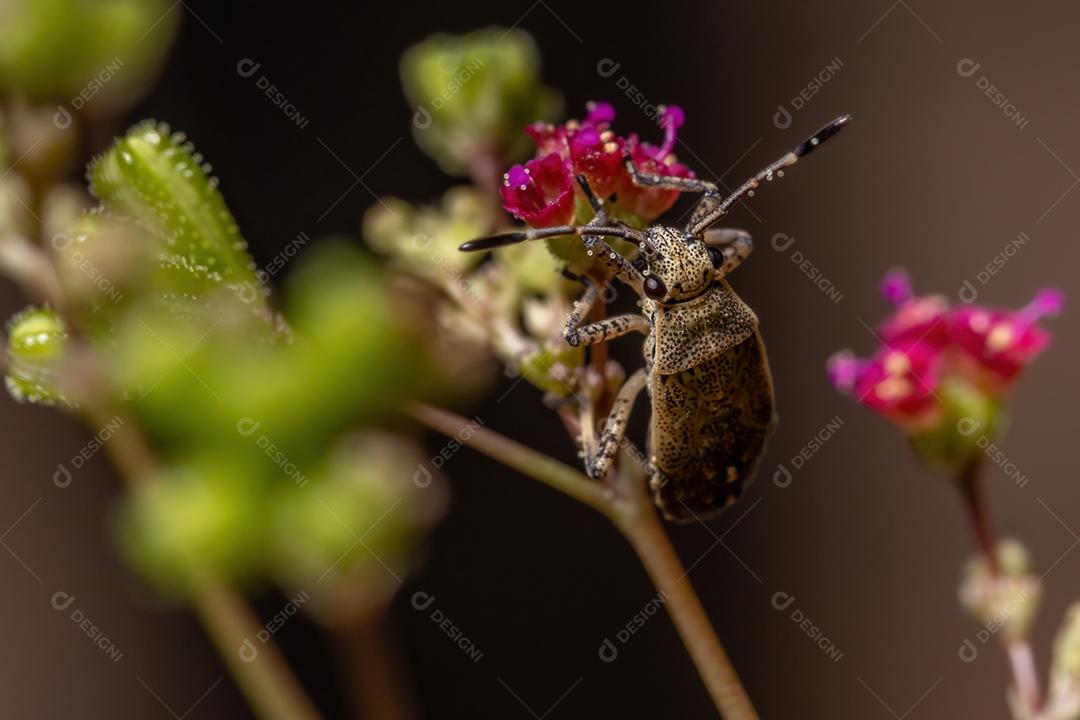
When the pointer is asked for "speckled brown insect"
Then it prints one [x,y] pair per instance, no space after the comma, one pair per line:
[705,365]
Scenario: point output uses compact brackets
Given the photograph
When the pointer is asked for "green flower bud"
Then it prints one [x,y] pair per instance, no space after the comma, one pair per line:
[1007,604]
[970,421]
[542,367]
[156,179]
[375,487]
[202,515]
[425,240]
[472,95]
[36,343]
[531,267]
[88,55]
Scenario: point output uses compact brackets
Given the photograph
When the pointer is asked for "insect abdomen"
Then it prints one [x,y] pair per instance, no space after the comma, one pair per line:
[708,430]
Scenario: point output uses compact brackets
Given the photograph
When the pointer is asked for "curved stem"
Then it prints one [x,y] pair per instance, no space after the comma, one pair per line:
[265,679]
[632,513]
[653,547]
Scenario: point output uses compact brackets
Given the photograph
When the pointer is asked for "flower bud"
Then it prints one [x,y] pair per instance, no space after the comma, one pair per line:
[471,95]
[36,344]
[1006,604]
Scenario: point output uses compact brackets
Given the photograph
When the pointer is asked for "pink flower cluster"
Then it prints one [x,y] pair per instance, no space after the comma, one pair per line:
[926,342]
[542,191]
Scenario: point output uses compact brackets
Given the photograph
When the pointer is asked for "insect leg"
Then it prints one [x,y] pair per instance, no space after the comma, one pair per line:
[736,245]
[716,210]
[607,329]
[598,459]
[667,182]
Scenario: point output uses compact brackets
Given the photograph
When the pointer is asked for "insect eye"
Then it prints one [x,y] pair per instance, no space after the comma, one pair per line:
[654,287]
[716,257]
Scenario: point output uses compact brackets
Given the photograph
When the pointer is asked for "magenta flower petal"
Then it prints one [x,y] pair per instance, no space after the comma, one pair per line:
[589,147]
[896,287]
[600,113]
[843,370]
[1002,342]
[540,192]
[920,320]
[598,155]
[900,383]
[671,119]
[916,319]
[548,138]
[1048,302]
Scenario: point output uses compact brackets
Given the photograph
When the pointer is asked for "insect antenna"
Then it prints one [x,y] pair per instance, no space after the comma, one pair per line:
[516,236]
[597,227]
[773,170]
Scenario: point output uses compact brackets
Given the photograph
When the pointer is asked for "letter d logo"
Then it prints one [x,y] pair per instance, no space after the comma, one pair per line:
[248,652]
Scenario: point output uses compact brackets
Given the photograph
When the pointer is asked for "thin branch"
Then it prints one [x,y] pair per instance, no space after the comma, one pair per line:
[632,512]
[975,504]
[374,662]
[658,557]
[513,454]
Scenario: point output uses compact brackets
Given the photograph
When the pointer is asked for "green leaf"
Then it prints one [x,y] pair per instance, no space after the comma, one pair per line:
[157,179]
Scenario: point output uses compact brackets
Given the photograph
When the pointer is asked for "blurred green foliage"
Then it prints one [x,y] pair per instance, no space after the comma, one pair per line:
[268,421]
[248,408]
[473,94]
[59,50]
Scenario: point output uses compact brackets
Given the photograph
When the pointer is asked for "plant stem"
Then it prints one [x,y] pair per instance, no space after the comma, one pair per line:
[1025,675]
[972,491]
[372,656]
[513,454]
[266,681]
[653,547]
[632,513]
[1021,659]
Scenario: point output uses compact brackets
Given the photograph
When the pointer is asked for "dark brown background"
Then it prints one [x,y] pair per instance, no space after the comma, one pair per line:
[931,175]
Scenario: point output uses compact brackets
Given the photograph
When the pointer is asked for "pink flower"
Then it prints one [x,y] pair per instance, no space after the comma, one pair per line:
[899,383]
[597,154]
[926,344]
[540,192]
[588,147]
[591,148]
[1003,342]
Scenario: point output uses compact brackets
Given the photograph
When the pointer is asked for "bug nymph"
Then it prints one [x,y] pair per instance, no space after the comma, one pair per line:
[705,371]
